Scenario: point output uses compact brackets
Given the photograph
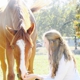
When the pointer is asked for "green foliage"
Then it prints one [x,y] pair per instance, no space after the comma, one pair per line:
[56,17]
[77,24]
[77,16]
[77,21]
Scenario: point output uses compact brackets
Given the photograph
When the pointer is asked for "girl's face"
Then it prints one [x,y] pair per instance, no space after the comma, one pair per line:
[46,43]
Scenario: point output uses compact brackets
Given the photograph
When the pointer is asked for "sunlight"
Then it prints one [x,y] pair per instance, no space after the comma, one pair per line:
[63,1]
[30,2]
[3,2]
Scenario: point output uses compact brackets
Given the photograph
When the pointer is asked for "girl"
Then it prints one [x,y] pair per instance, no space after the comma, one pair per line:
[61,60]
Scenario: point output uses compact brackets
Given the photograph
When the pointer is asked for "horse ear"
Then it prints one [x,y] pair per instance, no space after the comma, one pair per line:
[11,31]
[31,29]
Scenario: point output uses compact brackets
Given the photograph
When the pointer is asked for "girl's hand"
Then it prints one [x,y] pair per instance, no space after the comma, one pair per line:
[32,77]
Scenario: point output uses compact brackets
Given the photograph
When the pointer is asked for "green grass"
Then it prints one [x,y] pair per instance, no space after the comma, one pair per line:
[78,62]
[41,65]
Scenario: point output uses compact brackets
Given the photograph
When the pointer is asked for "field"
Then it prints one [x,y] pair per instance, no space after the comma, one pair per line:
[41,65]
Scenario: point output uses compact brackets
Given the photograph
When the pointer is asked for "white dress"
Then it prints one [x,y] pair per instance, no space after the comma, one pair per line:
[66,71]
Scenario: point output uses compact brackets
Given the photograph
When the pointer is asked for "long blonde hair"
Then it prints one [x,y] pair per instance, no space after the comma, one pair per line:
[58,47]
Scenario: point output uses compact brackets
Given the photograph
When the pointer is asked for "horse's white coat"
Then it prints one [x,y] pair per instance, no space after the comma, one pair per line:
[21,45]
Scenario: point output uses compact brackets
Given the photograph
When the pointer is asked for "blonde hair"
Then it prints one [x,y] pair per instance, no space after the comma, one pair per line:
[58,47]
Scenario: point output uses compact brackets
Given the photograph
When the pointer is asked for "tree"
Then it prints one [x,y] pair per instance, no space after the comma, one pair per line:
[77,21]
[58,17]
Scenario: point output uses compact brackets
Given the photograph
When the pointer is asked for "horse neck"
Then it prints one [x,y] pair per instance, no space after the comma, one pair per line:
[20,16]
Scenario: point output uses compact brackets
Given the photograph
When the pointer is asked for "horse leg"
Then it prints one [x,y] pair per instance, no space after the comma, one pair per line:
[3,63]
[32,59]
[10,60]
[3,66]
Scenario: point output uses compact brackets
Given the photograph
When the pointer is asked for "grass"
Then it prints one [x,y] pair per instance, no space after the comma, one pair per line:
[41,65]
[78,62]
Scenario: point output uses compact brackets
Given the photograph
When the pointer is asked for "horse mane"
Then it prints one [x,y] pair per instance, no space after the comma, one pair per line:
[21,20]
[22,24]
[20,15]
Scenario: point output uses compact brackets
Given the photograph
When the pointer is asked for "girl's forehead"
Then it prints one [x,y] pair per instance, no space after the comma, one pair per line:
[45,39]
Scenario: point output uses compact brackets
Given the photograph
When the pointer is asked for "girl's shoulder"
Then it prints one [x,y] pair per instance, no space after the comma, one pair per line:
[63,60]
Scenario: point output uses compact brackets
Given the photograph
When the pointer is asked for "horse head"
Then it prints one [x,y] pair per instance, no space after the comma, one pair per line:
[24,44]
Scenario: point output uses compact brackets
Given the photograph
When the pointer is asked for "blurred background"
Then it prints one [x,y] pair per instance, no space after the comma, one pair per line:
[62,15]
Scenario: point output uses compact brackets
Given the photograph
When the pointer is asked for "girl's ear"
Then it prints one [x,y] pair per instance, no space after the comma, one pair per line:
[51,43]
